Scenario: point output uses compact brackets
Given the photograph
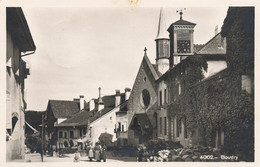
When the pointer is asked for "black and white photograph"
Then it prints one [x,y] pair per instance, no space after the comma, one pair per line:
[129,83]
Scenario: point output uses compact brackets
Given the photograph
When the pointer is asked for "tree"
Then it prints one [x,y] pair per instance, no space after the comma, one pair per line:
[106,139]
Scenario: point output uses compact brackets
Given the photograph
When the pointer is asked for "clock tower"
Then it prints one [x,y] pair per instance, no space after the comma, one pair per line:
[181,40]
[162,45]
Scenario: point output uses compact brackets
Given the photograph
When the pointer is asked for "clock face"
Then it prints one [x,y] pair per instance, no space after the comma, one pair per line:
[183,46]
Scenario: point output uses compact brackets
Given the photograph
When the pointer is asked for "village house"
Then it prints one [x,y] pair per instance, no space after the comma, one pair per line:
[58,111]
[19,44]
[87,124]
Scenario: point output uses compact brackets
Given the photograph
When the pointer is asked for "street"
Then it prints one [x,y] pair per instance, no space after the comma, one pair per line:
[36,157]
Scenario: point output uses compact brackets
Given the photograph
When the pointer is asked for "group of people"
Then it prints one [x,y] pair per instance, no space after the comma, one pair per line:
[97,153]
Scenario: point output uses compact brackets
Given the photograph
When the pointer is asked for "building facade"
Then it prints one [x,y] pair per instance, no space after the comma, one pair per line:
[19,43]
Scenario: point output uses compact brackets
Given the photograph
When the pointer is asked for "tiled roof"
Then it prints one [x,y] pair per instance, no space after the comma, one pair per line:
[63,109]
[85,116]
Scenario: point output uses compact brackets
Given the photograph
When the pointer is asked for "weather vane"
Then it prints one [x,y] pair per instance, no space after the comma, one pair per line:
[181,13]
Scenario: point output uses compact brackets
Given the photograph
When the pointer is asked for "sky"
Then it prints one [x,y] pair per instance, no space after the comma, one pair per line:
[82,48]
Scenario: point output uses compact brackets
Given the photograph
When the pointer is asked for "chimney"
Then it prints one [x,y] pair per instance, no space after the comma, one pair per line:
[81,102]
[91,105]
[100,101]
[216,30]
[117,98]
[127,93]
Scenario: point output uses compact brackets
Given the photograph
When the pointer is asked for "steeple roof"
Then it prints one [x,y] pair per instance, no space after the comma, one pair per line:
[162,33]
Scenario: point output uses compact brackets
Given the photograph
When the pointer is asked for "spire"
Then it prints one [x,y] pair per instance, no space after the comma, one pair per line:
[162,33]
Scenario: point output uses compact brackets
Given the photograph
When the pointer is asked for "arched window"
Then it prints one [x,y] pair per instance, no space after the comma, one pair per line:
[14,121]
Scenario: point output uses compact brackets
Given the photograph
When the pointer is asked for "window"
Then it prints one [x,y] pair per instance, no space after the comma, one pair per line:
[178,127]
[160,98]
[65,135]
[110,118]
[246,83]
[185,129]
[119,126]
[71,134]
[165,96]
[60,134]
[145,98]
[170,127]
[179,88]
[84,131]
[160,125]
[123,128]
[165,126]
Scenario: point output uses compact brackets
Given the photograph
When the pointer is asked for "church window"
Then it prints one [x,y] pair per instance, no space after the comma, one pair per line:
[65,135]
[145,98]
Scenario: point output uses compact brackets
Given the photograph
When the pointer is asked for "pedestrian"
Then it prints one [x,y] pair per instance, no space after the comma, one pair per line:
[104,156]
[77,157]
[90,154]
[97,152]
[140,154]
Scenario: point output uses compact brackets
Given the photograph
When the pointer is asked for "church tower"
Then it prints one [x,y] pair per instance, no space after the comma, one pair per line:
[162,45]
[181,40]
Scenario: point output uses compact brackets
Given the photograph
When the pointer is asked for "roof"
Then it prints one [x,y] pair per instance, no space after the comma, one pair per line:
[183,22]
[63,109]
[156,70]
[216,45]
[85,116]
[19,29]
[180,22]
[142,120]
[151,67]
[196,47]
[162,33]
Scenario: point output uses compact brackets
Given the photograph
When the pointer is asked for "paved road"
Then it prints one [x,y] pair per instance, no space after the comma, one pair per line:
[65,158]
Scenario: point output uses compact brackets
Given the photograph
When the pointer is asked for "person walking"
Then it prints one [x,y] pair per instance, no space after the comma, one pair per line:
[104,156]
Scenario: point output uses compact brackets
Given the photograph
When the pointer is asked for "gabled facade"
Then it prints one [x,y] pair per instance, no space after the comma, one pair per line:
[19,40]
[97,117]
[143,100]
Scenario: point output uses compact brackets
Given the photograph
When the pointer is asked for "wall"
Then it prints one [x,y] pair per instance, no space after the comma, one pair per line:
[214,67]
[104,124]
[15,106]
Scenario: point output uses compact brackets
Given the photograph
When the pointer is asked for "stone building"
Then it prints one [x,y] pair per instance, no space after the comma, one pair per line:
[19,44]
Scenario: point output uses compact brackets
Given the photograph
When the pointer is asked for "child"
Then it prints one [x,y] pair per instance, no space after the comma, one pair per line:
[77,157]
